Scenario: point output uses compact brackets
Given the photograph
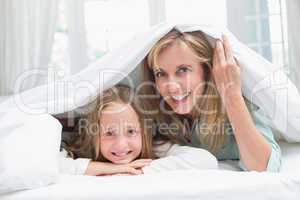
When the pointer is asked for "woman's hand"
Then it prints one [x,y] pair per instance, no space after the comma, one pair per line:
[103,168]
[226,71]
[254,148]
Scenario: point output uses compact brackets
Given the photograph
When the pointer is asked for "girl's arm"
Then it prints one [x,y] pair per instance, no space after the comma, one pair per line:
[84,166]
[106,168]
[69,165]
[181,157]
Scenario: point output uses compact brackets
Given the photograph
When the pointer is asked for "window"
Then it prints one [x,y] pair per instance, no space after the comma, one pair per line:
[197,11]
[278,33]
[110,23]
[261,24]
[60,57]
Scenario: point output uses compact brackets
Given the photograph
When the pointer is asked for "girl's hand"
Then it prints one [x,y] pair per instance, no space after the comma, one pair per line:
[133,168]
[226,71]
[140,163]
[104,168]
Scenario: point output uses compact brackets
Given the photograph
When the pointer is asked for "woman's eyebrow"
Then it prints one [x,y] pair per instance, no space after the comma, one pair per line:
[157,69]
[183,65]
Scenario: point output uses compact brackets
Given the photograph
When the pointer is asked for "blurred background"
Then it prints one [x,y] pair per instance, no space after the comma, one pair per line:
[57,38]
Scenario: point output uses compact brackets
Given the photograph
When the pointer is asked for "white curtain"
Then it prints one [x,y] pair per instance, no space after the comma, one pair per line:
[293,16]
[248,20]
[157,11]
[77,35]
[26,37]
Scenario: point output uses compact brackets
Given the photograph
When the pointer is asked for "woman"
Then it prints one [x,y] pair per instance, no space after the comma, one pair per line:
[198,90]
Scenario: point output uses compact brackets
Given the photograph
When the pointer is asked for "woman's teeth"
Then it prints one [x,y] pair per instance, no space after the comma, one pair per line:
[180,97]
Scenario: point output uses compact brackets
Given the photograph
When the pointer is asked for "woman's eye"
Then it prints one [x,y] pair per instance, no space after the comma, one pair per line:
[183,70]
[159,74]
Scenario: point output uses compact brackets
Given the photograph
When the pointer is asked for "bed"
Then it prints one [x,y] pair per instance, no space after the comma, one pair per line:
[227,183]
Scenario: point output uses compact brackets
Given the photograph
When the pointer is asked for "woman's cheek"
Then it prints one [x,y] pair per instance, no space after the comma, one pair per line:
[160,87]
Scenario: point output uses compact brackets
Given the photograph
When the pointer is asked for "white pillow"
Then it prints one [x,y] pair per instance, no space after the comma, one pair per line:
[29,148]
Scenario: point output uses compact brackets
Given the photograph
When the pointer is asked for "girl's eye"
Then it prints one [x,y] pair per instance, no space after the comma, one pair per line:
[109,133]
[132,132]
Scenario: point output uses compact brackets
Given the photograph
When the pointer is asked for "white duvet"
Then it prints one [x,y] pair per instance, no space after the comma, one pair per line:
[263,83]
[184,184]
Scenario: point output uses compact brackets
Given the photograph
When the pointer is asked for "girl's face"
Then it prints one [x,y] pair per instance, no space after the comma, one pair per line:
[120,133]
[179,77]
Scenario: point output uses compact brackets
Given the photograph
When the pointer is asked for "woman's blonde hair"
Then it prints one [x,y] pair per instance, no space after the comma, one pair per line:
[211,117]
[84,144]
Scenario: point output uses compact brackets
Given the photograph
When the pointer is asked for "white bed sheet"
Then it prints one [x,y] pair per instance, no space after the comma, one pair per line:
[189,184]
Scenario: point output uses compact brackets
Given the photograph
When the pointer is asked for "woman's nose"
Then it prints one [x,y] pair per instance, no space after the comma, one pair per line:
[173,87]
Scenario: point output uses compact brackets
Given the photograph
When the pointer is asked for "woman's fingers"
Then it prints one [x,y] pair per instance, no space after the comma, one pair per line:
[220,54]
[218,62]
[227,50]
[225,70]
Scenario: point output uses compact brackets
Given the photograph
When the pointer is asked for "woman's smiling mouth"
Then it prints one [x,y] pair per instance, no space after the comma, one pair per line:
[180,98]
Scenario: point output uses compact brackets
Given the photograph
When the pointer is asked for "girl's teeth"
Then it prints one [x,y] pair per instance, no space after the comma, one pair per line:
[120,154]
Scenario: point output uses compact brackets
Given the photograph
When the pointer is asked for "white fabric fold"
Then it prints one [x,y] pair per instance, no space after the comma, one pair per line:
[263,83]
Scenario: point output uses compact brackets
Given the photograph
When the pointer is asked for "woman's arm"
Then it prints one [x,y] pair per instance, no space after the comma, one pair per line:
[255,150]
[182,157]
[261,123]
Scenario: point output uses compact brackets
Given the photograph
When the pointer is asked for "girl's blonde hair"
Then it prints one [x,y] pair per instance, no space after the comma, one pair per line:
[211,117]
[84,144]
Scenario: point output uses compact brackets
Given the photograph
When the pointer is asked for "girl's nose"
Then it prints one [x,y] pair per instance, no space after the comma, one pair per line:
[121,142]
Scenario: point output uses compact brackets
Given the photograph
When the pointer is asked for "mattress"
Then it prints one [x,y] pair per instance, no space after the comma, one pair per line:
[185,184]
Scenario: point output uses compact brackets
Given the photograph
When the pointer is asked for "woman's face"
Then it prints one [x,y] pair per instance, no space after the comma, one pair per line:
[120,134]
[179,78]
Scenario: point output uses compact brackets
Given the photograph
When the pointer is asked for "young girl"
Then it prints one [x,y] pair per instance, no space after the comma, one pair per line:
[115,138]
